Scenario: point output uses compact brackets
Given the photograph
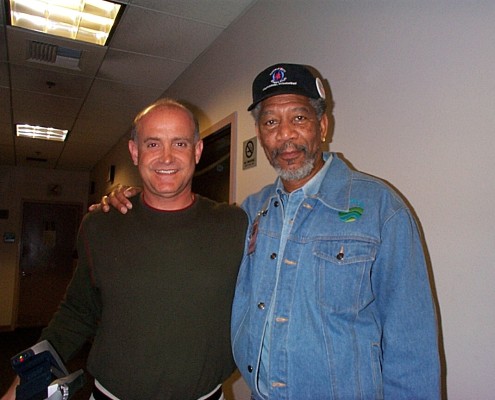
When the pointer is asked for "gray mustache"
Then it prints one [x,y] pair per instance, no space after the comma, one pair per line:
[287,146]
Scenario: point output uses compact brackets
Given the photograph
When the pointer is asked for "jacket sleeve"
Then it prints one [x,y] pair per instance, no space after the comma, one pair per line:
[77,317]
[410,358]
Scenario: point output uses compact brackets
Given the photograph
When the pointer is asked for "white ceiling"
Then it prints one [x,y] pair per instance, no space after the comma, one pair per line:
[155,41]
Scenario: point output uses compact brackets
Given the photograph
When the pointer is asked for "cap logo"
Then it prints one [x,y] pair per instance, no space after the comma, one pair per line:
[278,75]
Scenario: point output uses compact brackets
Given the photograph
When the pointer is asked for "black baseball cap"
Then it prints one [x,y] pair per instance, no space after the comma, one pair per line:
[286,79]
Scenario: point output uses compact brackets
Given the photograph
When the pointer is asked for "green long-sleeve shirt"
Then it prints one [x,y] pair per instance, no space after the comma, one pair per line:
[154,290]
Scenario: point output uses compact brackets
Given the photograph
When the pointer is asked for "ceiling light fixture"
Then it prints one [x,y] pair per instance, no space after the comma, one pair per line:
[85,20]
[40,132]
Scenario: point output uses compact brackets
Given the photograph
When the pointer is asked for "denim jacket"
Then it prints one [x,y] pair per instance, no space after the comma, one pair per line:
[352,315]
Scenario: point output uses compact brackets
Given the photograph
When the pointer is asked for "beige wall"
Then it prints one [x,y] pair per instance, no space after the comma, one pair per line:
[414,87]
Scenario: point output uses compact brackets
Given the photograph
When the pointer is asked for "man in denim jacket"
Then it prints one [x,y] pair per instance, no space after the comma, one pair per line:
[333,299]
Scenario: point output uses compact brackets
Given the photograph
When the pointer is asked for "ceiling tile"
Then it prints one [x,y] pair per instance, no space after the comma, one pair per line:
[104,131]
[3,16]
[6,134]
[3,44]
[6,131]
[75,156]
[38,109]
[4,75]
[215,12]
[49,82]
[7,154]
[132,97]
[174,38]
[37,152]
[4,104]
[139,69]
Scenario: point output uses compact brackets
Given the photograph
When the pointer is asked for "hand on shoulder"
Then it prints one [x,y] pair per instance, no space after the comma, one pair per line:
[118,199]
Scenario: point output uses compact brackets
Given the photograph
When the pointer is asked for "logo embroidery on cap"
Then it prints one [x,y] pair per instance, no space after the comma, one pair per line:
[278,75]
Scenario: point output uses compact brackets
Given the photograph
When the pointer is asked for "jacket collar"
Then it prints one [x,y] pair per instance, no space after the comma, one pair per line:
[333,188]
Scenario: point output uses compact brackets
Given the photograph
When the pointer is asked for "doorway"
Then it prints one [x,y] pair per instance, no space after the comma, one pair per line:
[215,173]
[47,260]
[212,176]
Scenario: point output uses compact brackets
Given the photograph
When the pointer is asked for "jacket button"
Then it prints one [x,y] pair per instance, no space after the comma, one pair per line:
[276,204]
[261,306]
[250,368]
[273,256]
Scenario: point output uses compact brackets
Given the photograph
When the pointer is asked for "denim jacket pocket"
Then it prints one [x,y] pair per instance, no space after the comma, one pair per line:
[345,274]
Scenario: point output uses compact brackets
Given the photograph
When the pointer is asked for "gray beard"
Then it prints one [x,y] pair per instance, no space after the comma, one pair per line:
[296,174]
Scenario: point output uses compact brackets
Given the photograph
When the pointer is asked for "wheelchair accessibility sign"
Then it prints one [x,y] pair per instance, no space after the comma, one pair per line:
[249,153]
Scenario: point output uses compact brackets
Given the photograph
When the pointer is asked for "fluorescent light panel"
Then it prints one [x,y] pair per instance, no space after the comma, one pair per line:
[40,132]
[85,20]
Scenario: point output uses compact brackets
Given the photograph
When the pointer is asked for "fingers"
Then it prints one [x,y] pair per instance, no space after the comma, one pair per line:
[105,206]
[120,201]
[131,191]
[117,198]
[93,207]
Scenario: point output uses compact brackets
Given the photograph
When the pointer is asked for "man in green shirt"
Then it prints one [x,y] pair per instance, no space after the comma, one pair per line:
[153,290]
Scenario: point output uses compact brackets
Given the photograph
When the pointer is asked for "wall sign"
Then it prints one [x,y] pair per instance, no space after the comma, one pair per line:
[8,237]
[249,153]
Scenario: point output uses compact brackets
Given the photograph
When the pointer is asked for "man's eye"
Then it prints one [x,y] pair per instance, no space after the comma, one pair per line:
[152,145]
[270,122]
[300,118]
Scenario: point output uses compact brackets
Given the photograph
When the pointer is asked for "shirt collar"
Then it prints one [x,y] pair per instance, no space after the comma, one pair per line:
[312,187]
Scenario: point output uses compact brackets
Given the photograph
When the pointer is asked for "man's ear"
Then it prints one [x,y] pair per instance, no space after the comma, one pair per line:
[198,150]
[324,127]
[331,128]
[133,150]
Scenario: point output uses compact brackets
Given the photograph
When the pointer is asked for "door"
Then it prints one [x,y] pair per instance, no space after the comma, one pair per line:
[212,176]
[48,242]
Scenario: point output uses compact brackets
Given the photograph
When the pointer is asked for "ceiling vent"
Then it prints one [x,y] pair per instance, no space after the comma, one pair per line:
[45,53]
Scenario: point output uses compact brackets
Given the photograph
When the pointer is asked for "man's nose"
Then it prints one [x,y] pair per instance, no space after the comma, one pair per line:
[166,155]
[286,130]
